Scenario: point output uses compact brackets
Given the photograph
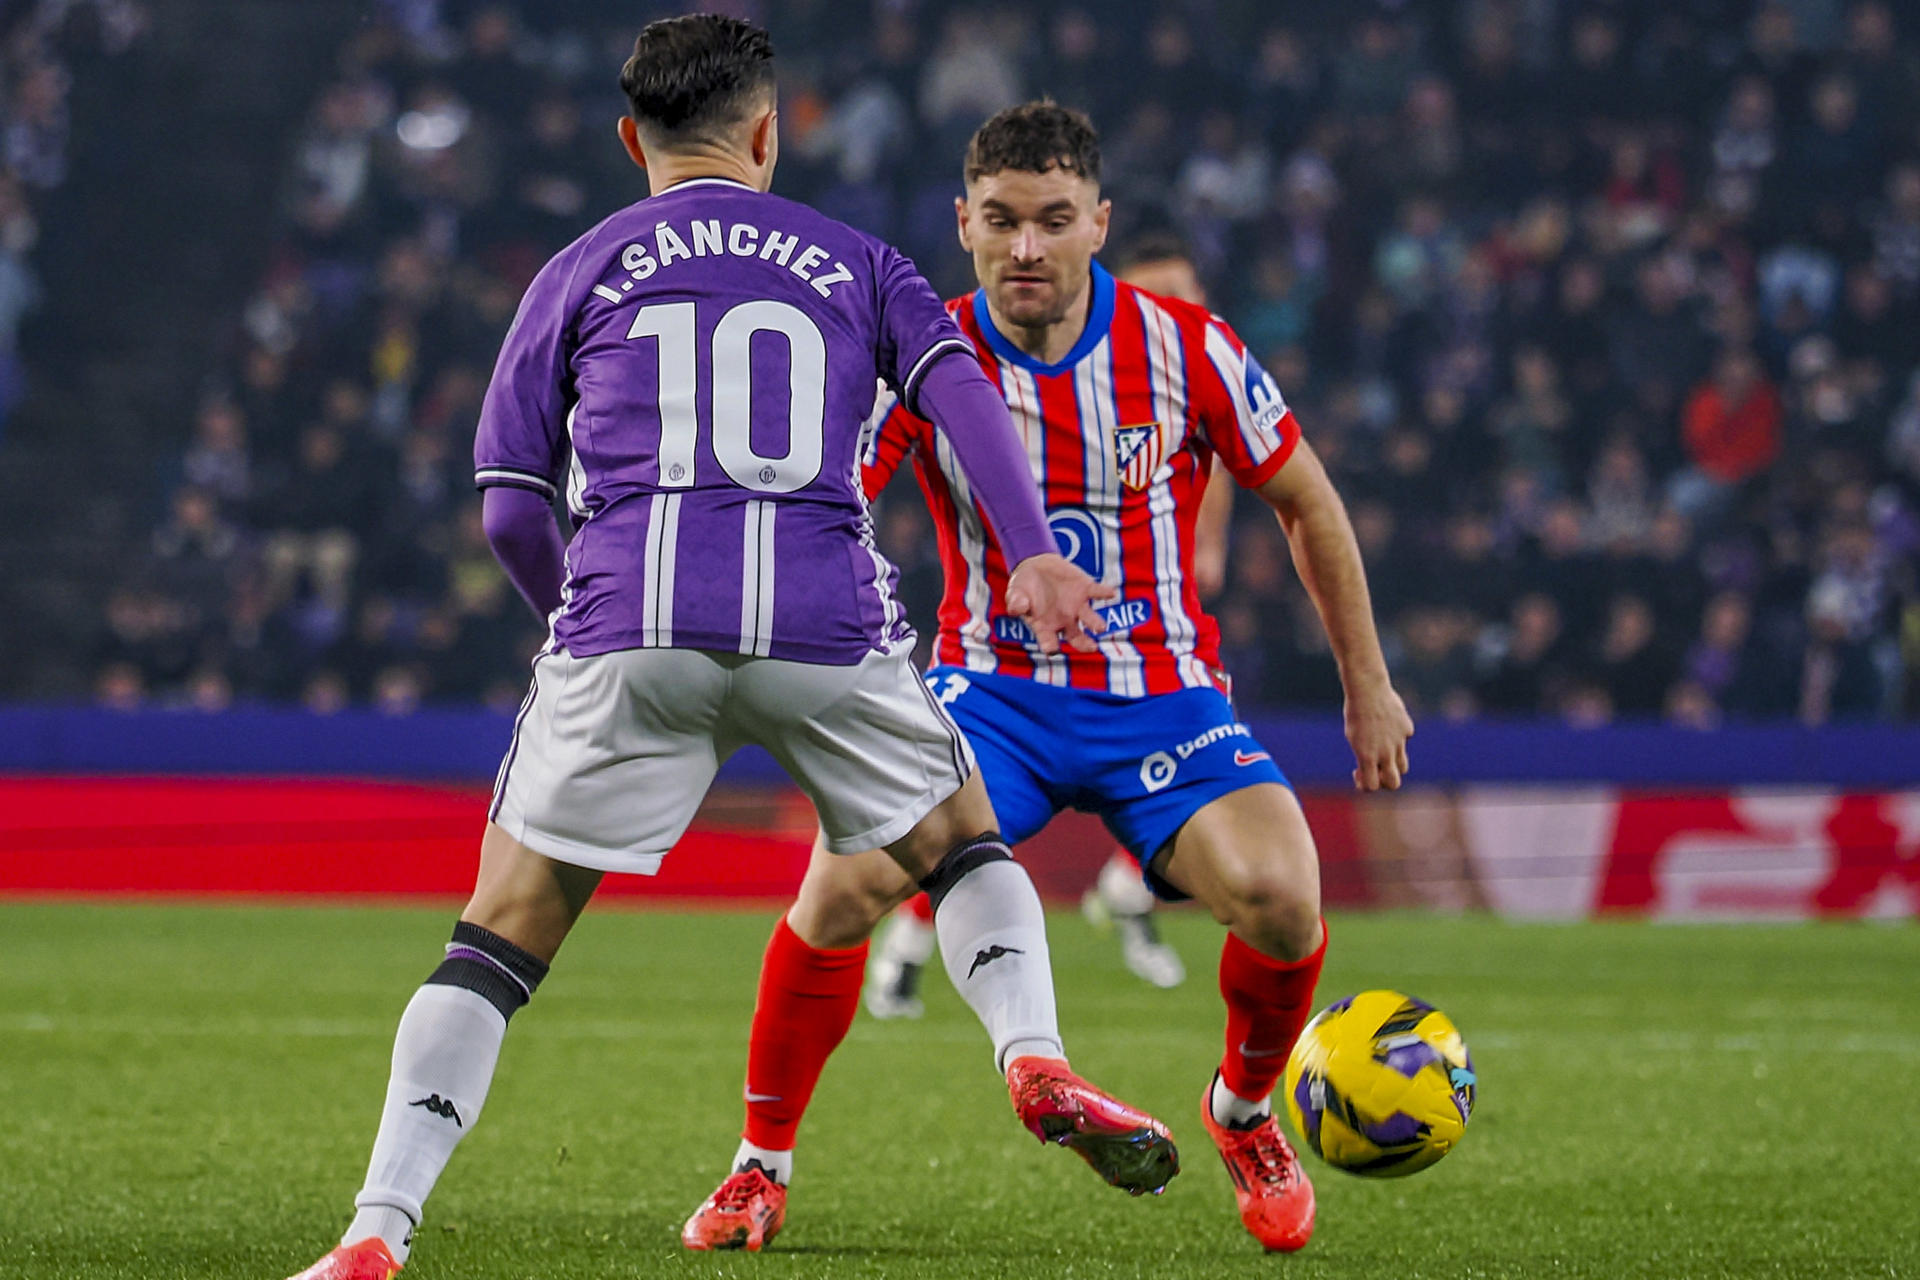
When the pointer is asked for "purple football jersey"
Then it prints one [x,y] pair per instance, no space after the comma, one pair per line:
[698,372]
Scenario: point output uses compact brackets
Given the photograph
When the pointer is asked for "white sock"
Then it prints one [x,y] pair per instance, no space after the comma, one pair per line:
[391,1225]
[1230,1109]
[906,940]
[778,1164]
[443,1059]
[993,938]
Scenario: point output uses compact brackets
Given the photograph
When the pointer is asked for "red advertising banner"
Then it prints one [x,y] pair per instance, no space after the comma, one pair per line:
[1525,852]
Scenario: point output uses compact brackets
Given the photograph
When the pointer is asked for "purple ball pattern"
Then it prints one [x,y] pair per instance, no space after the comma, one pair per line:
[1413,1057]
[1396,1130]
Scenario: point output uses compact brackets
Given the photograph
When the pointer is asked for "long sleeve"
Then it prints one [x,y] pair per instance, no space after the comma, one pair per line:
[526,540]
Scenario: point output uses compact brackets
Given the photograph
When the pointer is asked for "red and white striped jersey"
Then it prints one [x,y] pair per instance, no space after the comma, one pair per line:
[1122,434]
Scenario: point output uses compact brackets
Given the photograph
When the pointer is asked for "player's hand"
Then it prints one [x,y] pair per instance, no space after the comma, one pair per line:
[1378,728]
[1053,596]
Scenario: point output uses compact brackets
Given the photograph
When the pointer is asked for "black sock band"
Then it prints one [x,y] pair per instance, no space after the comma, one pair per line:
[960,860]
[488,965]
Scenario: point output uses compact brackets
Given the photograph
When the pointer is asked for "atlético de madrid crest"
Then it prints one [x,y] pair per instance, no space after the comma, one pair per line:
[1138,450]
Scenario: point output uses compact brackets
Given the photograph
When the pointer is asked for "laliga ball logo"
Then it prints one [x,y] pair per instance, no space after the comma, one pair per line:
[1157,770]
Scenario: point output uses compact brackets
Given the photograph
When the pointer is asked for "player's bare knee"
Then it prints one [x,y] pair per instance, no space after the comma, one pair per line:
[840,911]
[1275,913]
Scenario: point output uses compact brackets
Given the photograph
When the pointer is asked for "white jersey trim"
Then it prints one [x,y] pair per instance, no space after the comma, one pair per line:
[662,554]
[486,476]
[925,362]
[756,579]
[1163,339]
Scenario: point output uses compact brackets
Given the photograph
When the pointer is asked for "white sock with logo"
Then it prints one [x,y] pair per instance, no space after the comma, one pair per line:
[993,939]
[443,1059]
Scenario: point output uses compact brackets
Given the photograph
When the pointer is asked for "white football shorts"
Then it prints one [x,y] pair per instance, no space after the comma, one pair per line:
[613,753]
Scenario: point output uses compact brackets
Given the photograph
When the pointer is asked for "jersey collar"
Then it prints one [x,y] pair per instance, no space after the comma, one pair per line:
[1099,320]
[713,181]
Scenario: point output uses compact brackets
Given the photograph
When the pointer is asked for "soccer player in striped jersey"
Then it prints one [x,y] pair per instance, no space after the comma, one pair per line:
[698,372]
[1125,402]
[1158,262]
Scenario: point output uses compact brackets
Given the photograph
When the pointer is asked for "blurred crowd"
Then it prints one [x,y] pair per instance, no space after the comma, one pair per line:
[39,39]
[1605,315]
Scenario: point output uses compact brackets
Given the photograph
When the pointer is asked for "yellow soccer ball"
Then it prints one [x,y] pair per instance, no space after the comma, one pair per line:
[1380,1084]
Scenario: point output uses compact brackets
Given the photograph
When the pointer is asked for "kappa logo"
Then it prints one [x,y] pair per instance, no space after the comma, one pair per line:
[439,1106]
[1157,770]
[989,955]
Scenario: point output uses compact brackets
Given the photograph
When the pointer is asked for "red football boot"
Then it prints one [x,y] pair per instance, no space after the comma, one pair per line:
[1128,1148]
[1276,1200]
[745,1212]
[363,1260]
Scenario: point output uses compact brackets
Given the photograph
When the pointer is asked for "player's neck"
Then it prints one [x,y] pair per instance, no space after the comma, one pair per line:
[666,169]
[1047,343]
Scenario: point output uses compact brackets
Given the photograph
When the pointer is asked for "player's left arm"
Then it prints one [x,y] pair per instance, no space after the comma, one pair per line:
[1327,557]
[1257,439]
[520,444]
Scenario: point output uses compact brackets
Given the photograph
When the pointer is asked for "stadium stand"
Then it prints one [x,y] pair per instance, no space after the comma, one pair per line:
[1603,315]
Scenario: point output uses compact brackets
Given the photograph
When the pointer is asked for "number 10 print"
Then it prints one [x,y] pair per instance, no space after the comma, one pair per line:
[672,324]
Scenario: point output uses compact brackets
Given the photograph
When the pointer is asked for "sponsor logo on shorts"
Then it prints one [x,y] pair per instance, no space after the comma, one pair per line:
[1157,770]
[1219,733]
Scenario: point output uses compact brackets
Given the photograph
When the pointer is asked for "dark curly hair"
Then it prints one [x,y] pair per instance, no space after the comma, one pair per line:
[1035,137]
[690,78]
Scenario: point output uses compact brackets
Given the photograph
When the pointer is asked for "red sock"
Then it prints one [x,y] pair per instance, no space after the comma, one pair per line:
[1268,1002]
[806,1003]
[920,907]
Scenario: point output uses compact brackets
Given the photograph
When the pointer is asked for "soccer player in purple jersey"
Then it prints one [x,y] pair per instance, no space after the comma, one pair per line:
[695,374]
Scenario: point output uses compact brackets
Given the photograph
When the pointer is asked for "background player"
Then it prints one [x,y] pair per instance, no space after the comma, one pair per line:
[716,595]
[1124,400]
[1160,263]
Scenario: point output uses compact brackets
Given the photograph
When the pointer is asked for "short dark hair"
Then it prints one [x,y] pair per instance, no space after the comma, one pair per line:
[1159,245]
[1035,137]
[691,77]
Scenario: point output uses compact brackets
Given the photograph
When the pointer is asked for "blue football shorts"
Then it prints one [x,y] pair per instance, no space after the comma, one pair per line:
[1143,765]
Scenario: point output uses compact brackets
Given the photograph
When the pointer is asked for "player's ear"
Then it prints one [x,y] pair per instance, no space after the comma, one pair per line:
[765,142]
[630,139]
[1102,219]
[960,217]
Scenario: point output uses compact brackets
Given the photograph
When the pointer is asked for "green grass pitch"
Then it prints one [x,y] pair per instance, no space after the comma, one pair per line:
[189,1091]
